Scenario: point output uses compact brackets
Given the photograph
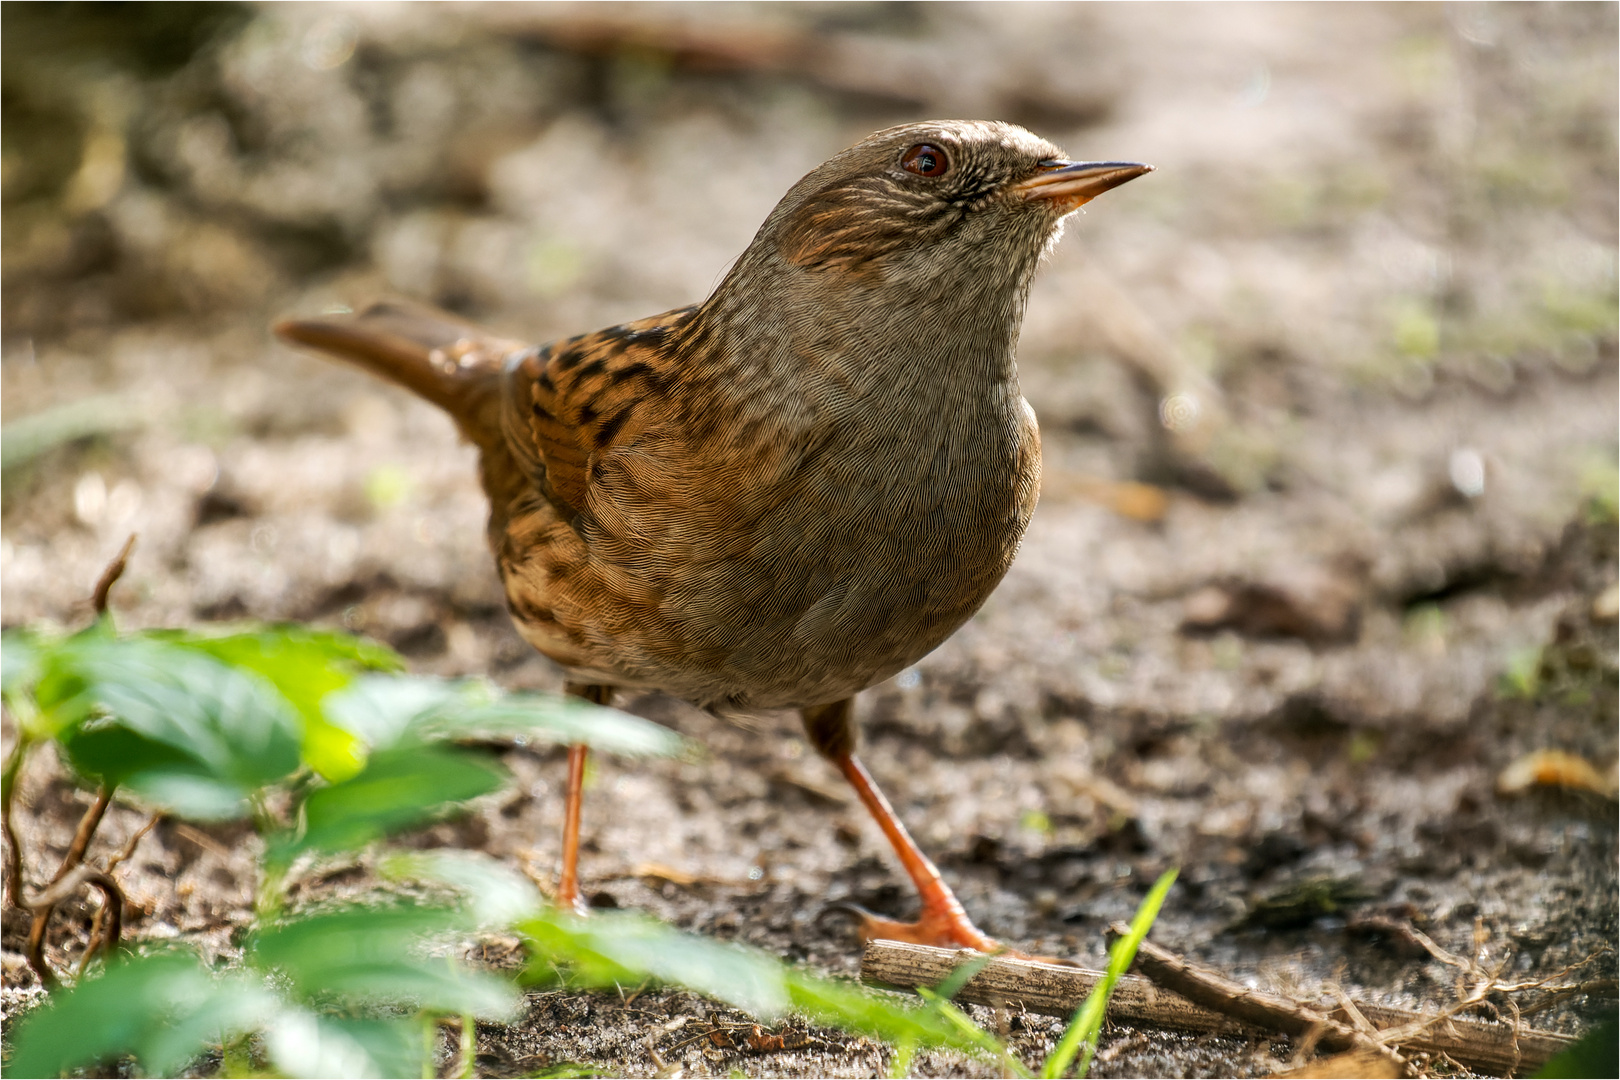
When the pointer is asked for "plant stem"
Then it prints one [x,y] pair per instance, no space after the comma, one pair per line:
[8,790]
[273,865]
[235,1059]
[110,576]
[900,1064]
[86,832]
[70,862]
[430,1038]
[469,1045]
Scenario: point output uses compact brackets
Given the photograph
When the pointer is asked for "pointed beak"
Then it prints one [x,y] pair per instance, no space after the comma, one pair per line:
[1072,184]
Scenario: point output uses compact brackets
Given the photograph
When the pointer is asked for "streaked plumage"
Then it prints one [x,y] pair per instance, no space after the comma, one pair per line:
[797,488]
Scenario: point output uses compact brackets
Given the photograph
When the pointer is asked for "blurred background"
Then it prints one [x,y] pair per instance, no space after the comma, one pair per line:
[1329,408]
[1405,210]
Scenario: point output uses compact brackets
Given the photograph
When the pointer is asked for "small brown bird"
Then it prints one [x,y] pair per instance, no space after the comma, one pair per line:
[793,490]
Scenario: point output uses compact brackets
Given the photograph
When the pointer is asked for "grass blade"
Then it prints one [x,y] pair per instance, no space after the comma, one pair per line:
[1087,1022]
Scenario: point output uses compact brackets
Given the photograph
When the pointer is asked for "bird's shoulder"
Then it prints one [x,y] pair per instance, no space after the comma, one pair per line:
[574,400]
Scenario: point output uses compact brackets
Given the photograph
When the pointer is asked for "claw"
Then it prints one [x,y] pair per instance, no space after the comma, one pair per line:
[944,929]
[940,931]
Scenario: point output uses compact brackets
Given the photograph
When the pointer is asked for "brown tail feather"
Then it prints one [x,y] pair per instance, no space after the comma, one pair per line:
[454,365]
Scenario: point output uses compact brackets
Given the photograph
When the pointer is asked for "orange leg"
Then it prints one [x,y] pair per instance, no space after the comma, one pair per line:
[568,883]
[943,921]
[568,896]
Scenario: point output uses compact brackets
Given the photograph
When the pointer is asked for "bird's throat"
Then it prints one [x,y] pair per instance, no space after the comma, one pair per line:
[878,342]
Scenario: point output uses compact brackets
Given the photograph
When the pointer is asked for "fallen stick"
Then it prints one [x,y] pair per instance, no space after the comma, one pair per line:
[1268,1012]
[1503,1048]
[1058,990]
[1053,989]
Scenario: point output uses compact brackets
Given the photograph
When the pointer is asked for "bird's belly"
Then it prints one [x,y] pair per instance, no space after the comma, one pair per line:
[798,589]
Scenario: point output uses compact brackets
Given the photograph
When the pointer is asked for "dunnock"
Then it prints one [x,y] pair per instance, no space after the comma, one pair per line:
[793,490]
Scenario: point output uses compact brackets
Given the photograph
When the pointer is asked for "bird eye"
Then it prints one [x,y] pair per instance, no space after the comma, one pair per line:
[926,160]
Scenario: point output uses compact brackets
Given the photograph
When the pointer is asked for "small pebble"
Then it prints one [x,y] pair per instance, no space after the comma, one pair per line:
[1606,606]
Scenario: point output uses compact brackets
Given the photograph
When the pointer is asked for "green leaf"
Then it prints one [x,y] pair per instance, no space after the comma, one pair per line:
[962,975]
[164,1008]
[560,719]
[19,661]
[60,689]
[25,439]
[939,1000]
[154,771]
[21,665]
[387,711]
[1521,675]
[231,720]
[872,1012]
[399,788]
[495,895]
[625,948]
[1088,1019]
[236,1003]
[1596,1054]
[305,666]
[375,956]
[303,1043]
[206,736]
[288,652]
[972,1032]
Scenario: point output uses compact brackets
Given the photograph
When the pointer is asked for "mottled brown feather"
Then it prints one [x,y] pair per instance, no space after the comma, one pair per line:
[579,398]
[793,490]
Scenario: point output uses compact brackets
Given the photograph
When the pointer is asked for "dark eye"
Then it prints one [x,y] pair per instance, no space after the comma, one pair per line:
[926,160]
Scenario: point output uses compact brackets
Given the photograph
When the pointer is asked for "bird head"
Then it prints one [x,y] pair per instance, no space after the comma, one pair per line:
[909,253]
[937,202]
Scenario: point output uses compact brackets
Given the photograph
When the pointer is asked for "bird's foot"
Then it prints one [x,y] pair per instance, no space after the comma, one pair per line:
[941,928]
[568,898]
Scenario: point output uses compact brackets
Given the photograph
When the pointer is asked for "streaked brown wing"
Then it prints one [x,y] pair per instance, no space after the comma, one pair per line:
[566,402]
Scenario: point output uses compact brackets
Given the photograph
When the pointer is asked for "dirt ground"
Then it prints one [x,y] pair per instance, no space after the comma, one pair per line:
[1358,334]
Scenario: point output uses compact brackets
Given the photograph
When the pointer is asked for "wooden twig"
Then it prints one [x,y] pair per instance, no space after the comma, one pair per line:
[1405,933]
[129,848]
[1057,990]
[43,905]
[86,831]
[1350,1063]
[1255,1008]
[1604,988]
[109,577]
[1052,989]
[13,773]
[64,886]
[96,923]
[13,868]
[202,840]
[91,941]
[112,906]
[1499,1047]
